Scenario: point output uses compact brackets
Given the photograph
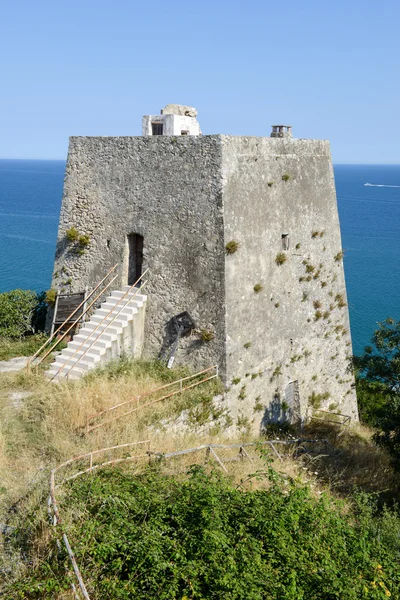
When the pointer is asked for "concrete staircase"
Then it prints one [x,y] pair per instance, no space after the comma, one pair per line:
[117,327]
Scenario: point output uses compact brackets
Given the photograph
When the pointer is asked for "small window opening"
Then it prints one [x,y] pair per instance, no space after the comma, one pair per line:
[184,132]
[135,258]
[285,241]
[157,128]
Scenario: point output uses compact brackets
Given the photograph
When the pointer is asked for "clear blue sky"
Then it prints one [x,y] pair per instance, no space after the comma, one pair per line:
[331,69]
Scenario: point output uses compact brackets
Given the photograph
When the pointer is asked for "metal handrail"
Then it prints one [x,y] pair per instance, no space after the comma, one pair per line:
[51,338]
[73,324]
[99,324]
[346,418]
[90,427]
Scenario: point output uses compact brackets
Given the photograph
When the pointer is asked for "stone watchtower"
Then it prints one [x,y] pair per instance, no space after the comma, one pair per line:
[240,233]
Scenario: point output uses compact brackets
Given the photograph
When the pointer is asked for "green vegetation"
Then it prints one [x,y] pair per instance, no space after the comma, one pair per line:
[315,400]
[25,346]
[285,177]
[339,256]
[200,536]
[80,240]
[236,380]
[22,312]
[378,386]
[206,335]
[72,234]
[242,394]
[84,240]
[232,247]
[271,183]
[247,345]
[280,258]
[50,296]
[314,234]
[340,300]
[258,288]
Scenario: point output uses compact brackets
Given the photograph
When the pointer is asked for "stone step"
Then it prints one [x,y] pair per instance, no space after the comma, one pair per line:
[126,297]
[79,339]
[120,312]
[88,353]
[108,333]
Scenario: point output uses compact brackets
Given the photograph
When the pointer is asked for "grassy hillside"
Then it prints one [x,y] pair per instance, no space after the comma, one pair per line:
[309,526]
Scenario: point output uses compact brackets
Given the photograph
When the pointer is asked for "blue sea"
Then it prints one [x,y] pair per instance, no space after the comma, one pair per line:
[30,199]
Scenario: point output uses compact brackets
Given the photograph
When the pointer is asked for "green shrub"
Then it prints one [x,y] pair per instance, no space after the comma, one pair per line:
[285,177]
[158,536]
[258,288]
[247,345]
[50,296]
[18,309]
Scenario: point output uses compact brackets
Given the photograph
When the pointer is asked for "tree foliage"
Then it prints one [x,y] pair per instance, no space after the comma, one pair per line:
[21,312]
[378,387]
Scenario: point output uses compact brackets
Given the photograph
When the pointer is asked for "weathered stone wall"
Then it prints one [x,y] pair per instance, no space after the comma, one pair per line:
[167,189]
[296,328]
[190,196]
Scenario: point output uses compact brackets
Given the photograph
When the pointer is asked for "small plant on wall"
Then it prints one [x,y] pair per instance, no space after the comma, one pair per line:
[72,234]
[51,296]
[80,240]
[206,335]
[339,256]
[280,258]
[232,247]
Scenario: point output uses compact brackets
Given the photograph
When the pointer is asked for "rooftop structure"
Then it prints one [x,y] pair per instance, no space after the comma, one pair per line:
[281,131]
[175,119]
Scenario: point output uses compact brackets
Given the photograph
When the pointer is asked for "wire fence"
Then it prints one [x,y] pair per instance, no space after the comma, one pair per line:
[211,451]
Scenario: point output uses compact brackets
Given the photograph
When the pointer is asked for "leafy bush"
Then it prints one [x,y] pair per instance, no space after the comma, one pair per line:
[20,313]
[378,387]
[199,537]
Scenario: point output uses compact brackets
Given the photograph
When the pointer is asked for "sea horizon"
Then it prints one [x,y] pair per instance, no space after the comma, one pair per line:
[368,197]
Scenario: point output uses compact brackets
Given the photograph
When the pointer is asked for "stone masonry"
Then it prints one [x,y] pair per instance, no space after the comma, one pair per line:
[275,306]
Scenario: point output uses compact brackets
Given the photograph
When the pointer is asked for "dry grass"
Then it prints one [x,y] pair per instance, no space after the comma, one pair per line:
[48,428]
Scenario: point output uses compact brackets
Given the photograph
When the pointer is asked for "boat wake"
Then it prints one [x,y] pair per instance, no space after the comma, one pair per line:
[380,185]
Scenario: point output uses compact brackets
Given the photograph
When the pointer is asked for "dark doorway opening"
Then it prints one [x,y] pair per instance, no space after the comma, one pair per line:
[135,259]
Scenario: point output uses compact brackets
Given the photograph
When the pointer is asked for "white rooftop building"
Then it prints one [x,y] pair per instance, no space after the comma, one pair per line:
[174,119]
